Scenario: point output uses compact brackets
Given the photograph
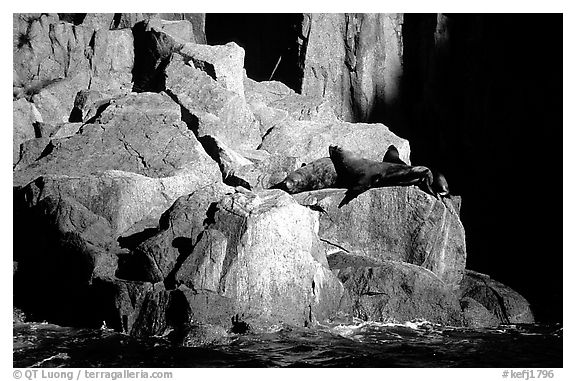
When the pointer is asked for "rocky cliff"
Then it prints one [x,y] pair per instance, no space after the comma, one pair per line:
[142,166]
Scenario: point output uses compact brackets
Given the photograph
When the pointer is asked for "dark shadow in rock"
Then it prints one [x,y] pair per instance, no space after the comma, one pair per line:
[272,43]
[178,312]
[72,18]
[152,54]
[134,267]
[104,293]
[213,150]
[235,181]
[47,151]
[52,282]
[116,20]
[206,67]
[131,241]
[238,326]
[76,114]
[183,244]
[210,145]
[210,214]
[188,118]
[185,247]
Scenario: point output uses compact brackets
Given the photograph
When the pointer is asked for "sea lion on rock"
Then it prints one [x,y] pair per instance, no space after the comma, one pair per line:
[359,174]
[439,183]
[319,174]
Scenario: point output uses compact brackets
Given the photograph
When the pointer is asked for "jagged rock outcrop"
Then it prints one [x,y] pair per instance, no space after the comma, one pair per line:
[273,102]
[353,60]
[396,292]
[213,103]
[196,21]
[154,258]
[476,315]
[505,304]
[48,49]
[24,115]
[128,143]
[394,223]
[262,253]
[252,169]
[309,140]
[267,170]
[140,133]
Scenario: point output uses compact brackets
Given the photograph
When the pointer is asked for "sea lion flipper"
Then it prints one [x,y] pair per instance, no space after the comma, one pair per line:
[352,193]
[392,155]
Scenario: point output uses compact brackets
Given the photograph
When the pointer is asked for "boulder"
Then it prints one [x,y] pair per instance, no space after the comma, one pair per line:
[56,101]
[228,159]
[30,151]
[196,20]
[252,169]
[309,140]
[273,102]
[476,315]
[397,292]
[93,211]
[211,108]
[33,56]
[203,335]
[122,198]
[53,60]
[306,107]
[152,317]
[179,29]
[508,306]
[34,149]
[267,170]
[24,115]
[394,223]
[65,130]
[98,20]
[139,133]
[112,61]
[88,104]
[154,259]
[355,62]
[140,309]
[225,63]
[120,302]
[262,252]
[205,307]
[259,95]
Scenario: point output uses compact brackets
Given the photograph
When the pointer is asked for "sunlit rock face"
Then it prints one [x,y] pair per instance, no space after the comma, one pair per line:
[394,223]
[355,61]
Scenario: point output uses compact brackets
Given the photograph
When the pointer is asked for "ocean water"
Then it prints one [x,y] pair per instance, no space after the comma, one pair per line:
[364,344]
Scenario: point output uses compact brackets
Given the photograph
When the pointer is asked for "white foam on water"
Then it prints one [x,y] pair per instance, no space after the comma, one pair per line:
[352,330]
[61,356]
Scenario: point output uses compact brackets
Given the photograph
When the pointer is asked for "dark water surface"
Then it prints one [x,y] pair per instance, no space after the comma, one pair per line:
[359,345]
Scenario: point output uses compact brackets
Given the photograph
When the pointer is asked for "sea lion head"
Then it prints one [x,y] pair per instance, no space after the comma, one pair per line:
[293,183]
[336,152]
[440,184]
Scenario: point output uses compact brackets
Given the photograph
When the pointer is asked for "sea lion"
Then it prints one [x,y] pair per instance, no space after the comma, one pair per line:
[439,183]
[359,174]
[319,174]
